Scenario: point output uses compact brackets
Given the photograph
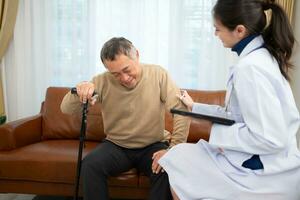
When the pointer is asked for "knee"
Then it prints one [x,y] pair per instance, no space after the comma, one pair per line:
[86,164]
[90,164]
[162,177]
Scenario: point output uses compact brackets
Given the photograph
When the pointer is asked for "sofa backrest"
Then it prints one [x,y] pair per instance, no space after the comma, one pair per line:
[57,125]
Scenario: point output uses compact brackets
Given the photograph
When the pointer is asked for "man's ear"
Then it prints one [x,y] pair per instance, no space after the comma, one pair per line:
[241,31]
[137,55]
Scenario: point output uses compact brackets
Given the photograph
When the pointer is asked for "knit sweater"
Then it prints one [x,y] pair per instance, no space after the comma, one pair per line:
[135,117]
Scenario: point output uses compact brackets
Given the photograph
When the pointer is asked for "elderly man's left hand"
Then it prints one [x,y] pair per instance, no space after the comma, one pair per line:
[156,168]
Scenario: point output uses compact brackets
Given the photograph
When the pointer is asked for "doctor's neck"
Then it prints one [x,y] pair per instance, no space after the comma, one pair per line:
[239,47]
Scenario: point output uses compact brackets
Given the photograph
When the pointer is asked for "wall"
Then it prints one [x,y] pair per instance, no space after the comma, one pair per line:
[296,58]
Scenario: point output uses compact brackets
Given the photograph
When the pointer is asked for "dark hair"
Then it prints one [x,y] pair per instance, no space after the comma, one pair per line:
[116,46]
[278,36]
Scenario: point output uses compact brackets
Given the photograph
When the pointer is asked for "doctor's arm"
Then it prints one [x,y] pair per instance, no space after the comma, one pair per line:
[263,130]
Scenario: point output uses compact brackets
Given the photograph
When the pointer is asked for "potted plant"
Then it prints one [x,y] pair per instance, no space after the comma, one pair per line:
[2,119]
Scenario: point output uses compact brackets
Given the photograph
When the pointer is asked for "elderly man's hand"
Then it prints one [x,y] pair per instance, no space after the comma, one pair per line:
[156,168]
[85,91]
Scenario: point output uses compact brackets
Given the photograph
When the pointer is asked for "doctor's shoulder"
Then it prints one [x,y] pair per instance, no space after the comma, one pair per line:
[251,71]
[258,57]
[260,60]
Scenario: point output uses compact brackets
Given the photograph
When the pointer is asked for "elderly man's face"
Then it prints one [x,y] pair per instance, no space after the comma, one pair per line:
[125,69]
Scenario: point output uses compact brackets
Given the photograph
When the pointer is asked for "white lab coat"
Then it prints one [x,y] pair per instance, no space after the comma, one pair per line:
[260,100]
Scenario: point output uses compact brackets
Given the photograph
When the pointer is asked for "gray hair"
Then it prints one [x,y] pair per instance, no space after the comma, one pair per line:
[116,46]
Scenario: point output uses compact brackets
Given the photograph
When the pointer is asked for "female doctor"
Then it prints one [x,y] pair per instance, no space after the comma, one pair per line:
[257,157]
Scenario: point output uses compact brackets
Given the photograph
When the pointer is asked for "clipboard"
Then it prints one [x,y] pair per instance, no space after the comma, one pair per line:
[214,119]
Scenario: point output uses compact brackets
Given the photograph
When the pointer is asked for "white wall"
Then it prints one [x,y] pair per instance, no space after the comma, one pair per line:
[296,59]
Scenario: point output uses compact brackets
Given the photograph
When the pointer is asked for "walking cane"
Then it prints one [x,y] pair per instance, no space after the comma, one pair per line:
[81,143]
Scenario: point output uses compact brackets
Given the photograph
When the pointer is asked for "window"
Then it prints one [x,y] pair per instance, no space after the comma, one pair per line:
[57,43]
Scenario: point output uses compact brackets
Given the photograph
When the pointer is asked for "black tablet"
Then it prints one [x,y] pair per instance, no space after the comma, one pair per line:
[215,119]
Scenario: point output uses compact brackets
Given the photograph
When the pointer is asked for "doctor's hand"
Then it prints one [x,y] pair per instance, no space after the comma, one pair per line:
[85,92]
[156,168]
[186,99]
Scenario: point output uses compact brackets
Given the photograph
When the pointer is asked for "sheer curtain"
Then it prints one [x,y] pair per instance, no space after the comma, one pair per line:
[57,43]
[8,13]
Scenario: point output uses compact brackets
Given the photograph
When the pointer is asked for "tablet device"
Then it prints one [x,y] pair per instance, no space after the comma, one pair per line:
[214,119]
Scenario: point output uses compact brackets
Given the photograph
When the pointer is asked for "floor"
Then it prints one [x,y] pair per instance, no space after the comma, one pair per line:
[33,197]
[16,197]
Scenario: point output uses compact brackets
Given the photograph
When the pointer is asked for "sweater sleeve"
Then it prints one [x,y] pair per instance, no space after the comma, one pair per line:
[181,124]
[70,104]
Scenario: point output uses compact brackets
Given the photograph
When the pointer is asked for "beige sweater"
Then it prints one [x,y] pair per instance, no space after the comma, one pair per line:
[135,118]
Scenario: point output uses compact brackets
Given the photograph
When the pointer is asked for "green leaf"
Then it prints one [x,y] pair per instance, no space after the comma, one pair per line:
[2,119]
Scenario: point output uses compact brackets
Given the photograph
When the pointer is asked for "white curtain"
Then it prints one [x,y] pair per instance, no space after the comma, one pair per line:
[57,43]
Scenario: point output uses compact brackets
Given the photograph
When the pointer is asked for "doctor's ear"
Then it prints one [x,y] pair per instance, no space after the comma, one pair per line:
[241,31]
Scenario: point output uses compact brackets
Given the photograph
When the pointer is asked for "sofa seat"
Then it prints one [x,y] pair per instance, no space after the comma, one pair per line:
[47,161]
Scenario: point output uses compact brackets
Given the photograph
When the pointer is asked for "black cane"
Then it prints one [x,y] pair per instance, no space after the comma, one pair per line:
[81,143]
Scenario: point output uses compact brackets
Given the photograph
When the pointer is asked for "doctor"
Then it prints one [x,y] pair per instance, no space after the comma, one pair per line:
[257,157]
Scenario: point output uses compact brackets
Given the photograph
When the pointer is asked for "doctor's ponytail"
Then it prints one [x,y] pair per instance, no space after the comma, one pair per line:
[278,35]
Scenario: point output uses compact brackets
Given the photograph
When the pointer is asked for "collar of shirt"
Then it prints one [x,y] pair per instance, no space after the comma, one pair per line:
[239,47]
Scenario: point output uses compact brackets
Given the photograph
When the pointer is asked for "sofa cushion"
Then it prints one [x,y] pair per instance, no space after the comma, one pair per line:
[48,161]
[57,125]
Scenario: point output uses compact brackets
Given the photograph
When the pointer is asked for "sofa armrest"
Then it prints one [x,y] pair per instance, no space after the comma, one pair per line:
[21,132]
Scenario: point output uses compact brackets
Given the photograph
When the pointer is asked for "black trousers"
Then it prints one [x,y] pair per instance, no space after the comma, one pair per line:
[109,159]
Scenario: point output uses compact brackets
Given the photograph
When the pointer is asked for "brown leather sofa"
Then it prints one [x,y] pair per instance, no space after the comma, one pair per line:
[38,154]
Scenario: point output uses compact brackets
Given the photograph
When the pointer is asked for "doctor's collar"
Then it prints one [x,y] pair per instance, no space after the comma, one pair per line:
[239,47]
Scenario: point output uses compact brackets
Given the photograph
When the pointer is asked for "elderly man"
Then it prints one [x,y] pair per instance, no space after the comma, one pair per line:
[133,99]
